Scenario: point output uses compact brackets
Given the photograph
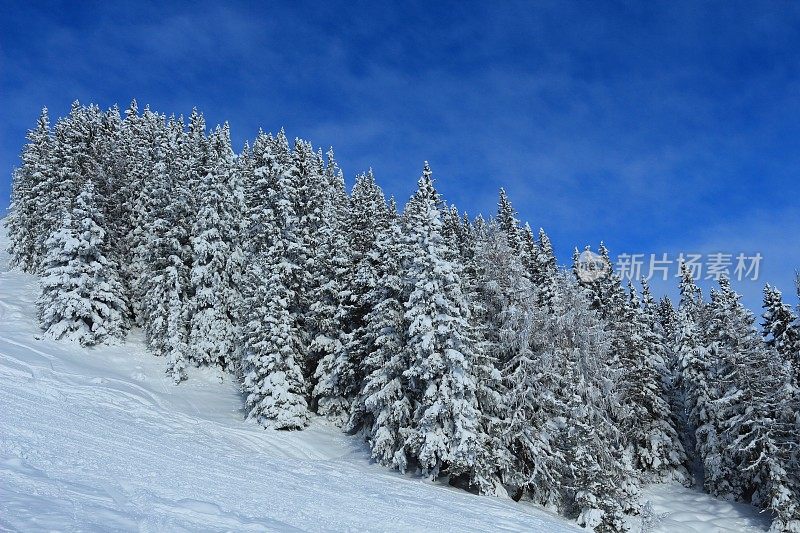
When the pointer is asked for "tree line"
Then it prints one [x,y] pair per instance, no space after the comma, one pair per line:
[455,346]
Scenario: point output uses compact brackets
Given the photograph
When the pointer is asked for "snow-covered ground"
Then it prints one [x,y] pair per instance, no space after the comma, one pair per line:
[100,440]
[685,510]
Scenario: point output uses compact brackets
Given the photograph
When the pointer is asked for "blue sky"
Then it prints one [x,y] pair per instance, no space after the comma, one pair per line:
[655,126]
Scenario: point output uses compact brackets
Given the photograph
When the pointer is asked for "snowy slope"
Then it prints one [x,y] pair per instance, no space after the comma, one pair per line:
[99,439]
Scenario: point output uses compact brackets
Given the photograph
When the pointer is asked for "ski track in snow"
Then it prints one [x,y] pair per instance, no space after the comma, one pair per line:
[100,440]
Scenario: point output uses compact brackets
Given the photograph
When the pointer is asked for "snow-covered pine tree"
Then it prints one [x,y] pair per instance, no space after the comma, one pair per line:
[306,173]
[227,166]
[661,341]
[597,500]
[194,157]
[164,283]
[260,169]
[466,245]
[756,414]
[274,384]
[81,297]
[692,375]
[260,177]
[667,324]
[297,219]
[574,384]
[137,135]
[546,273]
[766,438]
[653,439]
[781,330]
[72,163]
[606,288]
[30,181]
[216,259]
[502,303]
[667,318]
[99,131]
[530,253]
[661,319]
[368,216]
[452,228]
[691,298]
[440,347]
[763,438]
[507,218]
[732,339]
[534,380]
[339,374]
[111,155]
[627,349]
[493,462]
[547,258]
[331,270]
[273,380]
[140,201]
[382,409]
[506,287]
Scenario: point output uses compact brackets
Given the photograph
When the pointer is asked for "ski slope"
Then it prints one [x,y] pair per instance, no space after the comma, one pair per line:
[99,439]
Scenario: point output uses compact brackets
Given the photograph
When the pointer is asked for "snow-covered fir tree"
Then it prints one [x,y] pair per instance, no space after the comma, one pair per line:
[81,296]
[536,405]
[309,189]
[164,278]
[30,182]
[382,409]
[443,436]
[507,218]
[110,151]
[502,303]
[331,268]
[274,384]
[693,364]
[732,339]
[667,317]
[756,425]
[494,461]
[594,491]
[654,440]
[341,371]
[781,329]
[505,289]
[72,165]
[641,411]
[216,258]
[667,324]
[140,203]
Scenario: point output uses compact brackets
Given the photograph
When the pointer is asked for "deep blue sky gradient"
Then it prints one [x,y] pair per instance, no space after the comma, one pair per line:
[655,126]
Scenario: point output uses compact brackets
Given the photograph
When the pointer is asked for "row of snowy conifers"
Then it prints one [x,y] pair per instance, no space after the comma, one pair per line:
[455,347]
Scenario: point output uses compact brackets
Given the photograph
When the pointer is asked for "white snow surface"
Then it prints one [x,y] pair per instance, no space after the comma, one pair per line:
[684,510]
[100,439]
